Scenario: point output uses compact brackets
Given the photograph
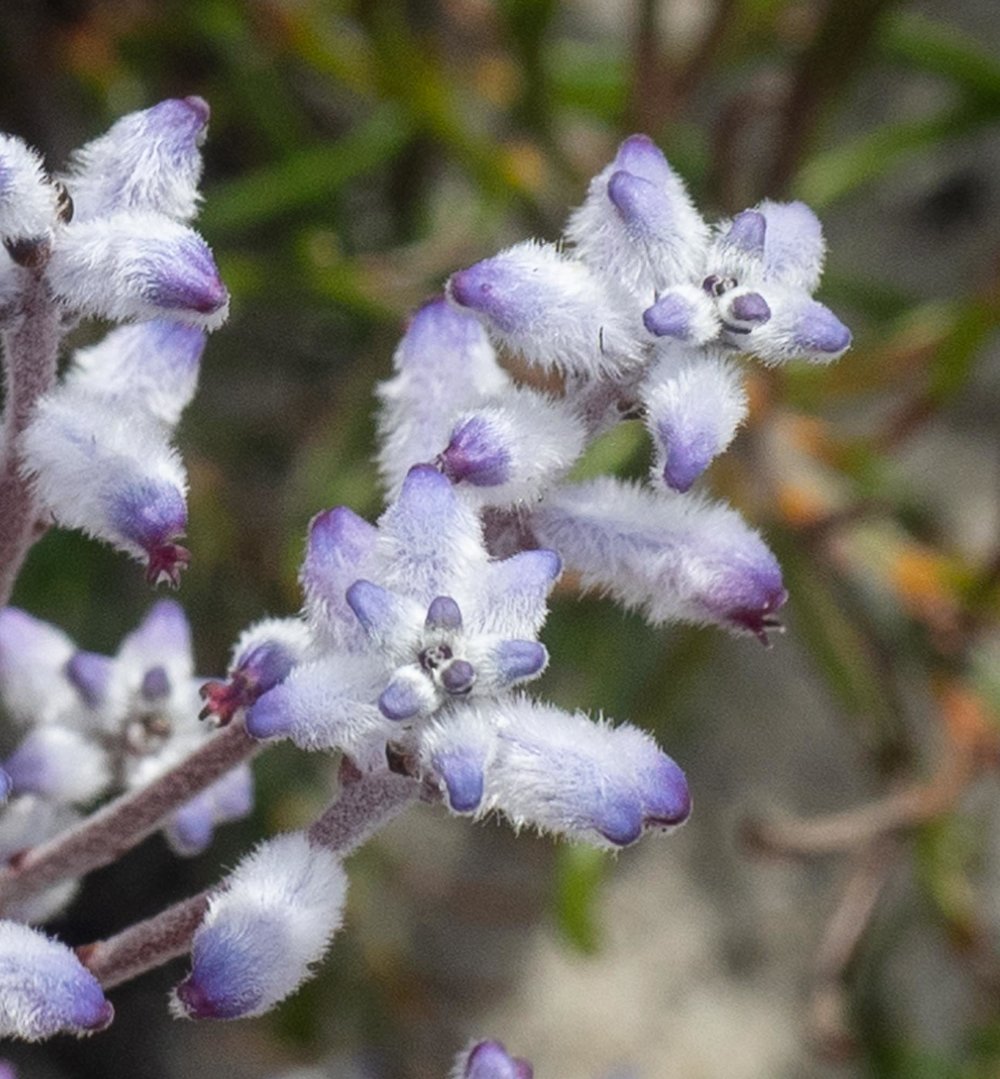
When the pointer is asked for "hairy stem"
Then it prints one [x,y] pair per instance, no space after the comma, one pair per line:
[365,805]
[106,835]
[31,348]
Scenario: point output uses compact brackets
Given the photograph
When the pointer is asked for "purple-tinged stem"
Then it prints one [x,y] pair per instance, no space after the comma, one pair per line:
[106,835]
[31,348]
[365,805]
[145,945]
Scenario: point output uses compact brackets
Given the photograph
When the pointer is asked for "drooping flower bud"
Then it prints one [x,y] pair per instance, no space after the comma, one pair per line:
[189,831]
[33,655]
[44,989]
[272,920]
[111,473]
[676,558]
[683,313]
[59,764]
[694,404]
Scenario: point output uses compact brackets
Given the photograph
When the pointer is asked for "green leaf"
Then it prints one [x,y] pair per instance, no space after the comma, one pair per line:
[579,872]
[829,176]
[940,49]
[305,178]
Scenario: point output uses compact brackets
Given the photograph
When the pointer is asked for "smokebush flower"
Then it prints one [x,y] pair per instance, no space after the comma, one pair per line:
[123,251]
[272,920]
[98,448]
[648,305]
[44,989]
[489,1060]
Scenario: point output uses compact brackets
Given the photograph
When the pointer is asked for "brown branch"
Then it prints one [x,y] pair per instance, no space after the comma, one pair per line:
[31,348]
[106,835]
[366,804]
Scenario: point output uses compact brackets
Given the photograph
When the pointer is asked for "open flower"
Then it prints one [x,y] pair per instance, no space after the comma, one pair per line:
[418,642]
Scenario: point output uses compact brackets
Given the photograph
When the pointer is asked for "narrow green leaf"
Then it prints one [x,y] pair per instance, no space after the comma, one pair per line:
[306,178]
[579,872]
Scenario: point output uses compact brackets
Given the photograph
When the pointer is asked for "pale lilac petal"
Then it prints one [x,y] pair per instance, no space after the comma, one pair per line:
[429,541]
[339,550]
[490,1060]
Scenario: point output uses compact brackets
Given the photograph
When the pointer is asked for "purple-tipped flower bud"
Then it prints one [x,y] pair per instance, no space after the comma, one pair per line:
[638,226]
[410,693]
[458,677]
[490,1060]
[799,328]
[675,558]
[549,308]
[138,266]
[44,989]
[149,160]
[455,753]
[794,245]
[743,311]
[747,232]
[155,685]
[590,781]
[515,590]
[111,473]
[694,406]
[476,455]
[444,364]
[264,656]
[263,932]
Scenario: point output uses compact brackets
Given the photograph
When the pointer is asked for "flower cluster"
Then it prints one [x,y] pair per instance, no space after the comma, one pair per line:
[99,724]
[110,238]
[419,634]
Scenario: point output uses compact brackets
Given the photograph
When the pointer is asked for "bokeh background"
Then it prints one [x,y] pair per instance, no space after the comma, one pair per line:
[833,907]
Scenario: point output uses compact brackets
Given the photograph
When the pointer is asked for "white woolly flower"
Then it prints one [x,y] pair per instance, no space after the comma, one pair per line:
[28,201]
[263,932]
[444,364]
[638,225]
[674,557]
[111,473]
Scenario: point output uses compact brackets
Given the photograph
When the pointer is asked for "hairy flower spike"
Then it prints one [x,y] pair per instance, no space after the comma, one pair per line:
[44,989]
[28,200]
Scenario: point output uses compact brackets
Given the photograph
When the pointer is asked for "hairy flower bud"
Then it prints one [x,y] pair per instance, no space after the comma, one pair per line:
[272,920]
[489,1060]
[44,989]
